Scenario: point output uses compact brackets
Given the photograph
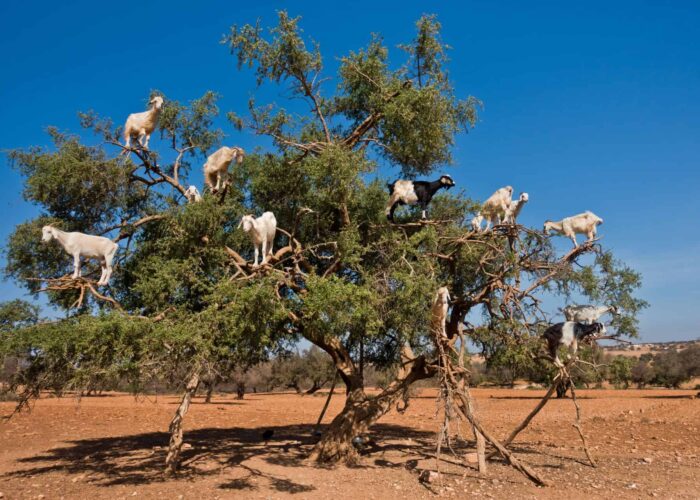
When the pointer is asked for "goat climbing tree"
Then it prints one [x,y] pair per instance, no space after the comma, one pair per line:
[185,303]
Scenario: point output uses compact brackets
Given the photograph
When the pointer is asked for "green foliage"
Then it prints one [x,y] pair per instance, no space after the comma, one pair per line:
[191,126]
[620,371]
[77,184]
[642,373]
[672,368]
[17,314]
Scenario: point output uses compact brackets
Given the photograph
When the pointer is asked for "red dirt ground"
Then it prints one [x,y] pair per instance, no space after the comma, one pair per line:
[646,443]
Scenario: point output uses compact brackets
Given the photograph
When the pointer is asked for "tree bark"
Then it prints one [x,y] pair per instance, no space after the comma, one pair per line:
[172,461]
[210,391]
[361,411]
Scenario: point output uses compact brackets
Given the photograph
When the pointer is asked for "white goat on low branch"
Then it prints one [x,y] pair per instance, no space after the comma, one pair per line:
[143,124]
[262,232]
[438,312]
[585,223]
[217,165]
[79,244]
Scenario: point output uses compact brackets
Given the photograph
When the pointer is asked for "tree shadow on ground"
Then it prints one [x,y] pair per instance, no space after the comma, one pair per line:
[139,459]
[670,396]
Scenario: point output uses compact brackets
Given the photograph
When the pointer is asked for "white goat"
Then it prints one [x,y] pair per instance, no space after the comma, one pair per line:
[584,223]
[438,312]
[476,222]
[587,314]
[515,207]
[79,244]
[143,124]
[217,166]
[192,194]
[262,232]
[496,206]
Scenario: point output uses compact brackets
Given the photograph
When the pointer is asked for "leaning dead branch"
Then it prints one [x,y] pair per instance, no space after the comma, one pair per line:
[457,403]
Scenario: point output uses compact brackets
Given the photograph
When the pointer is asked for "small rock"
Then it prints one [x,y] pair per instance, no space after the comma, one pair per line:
[632,486]
[648,460]
[428,476]
[2,495]
[187,446]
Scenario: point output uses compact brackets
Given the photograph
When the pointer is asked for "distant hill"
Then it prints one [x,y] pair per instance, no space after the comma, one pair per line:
[637,350]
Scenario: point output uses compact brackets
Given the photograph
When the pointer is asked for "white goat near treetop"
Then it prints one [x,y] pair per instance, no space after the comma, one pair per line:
[262,232]
[217,166]
[143,124]
[515,207]
[585,223]
[496,206]
[79,244]
[587,314]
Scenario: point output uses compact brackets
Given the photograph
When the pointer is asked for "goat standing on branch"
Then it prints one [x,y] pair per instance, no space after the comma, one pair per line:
[495,208]
[217,165]
[438,312]
[585,223]
[515,207]
[143,124]
[262,232]
[402,192]
[79,244]
[568,334]
[587,314]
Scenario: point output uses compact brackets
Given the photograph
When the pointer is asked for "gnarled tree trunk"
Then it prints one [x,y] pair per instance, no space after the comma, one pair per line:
[361,411]
[173,459]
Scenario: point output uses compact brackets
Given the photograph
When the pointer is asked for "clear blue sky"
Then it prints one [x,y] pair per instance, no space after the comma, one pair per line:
[588,106]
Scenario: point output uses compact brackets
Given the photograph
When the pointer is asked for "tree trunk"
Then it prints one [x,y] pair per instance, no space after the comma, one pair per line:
[173,459]
[210,391]
[361,411]
[314,388]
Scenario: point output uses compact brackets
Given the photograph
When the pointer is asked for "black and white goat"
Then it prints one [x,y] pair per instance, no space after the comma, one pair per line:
[568,334]
[403,192]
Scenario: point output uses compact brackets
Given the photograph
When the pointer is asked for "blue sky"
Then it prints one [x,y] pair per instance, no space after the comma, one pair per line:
[593,106]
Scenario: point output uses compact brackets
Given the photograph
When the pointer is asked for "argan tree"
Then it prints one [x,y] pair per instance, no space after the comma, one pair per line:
[185,300]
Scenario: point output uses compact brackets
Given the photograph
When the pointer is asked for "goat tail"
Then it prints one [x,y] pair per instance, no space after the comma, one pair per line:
[390,186]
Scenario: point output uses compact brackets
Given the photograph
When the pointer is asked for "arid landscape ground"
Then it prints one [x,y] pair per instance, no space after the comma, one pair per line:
[646,443]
